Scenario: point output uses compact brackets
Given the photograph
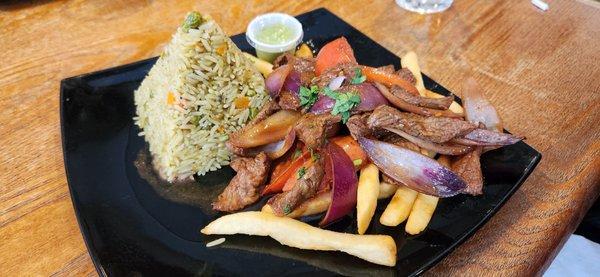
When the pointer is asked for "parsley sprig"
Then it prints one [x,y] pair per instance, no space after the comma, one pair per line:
[344,102]
[358,78]
[308,96]
[301,172]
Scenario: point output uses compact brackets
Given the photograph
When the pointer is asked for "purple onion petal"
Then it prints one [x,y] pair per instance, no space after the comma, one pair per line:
[416,171]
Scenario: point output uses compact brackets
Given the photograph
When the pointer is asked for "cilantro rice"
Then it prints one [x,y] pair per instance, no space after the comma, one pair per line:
[201,89]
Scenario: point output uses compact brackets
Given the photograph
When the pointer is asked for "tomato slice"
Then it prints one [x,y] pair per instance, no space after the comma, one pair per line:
[333,53]
[352,149]
[388,79]
[286,169]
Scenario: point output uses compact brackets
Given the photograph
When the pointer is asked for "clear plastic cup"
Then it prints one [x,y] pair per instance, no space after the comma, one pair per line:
[269,51]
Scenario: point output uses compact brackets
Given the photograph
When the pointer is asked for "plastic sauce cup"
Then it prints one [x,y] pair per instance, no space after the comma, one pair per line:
[269,51]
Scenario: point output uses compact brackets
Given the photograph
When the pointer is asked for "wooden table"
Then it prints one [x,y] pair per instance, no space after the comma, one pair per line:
[540,69]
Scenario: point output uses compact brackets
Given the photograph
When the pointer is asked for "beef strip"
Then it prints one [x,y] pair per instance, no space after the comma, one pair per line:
[400,141]
[434,129]
[434,103]
[304,66]
[243,188]
[289,100]
[306,187]
[387,68]
[468,167]
[345,69]
[357,125]
[407,75]
[283,59]
[313,129]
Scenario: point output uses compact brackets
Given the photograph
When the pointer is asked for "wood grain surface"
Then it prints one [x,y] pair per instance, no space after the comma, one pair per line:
[540,69]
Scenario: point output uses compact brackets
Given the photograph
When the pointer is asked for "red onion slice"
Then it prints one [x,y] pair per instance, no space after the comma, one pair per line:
[477,108]
[345,182]
[323,105]
[275,80]
[492,138]
[370,97]
[336,82]
[416,171]
[293,82]
[276,149]
[444,149]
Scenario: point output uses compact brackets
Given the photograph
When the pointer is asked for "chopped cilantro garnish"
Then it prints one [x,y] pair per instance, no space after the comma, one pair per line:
[357,162]
[344,102]
[308,96]
[297,154]
[287,209]
[358,77]
[314,155]
[301,172]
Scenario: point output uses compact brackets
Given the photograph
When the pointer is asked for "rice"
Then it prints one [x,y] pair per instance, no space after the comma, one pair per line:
[186,106]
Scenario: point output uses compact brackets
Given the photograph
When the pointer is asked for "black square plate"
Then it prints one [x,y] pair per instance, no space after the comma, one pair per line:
[133,223]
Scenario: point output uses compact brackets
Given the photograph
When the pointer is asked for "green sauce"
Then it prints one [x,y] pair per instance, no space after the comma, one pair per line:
[275,34]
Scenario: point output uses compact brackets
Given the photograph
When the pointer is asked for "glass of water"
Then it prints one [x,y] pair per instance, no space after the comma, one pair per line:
[425,6]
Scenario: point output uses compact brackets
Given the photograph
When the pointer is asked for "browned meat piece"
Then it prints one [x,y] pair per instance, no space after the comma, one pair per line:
[288,100]
[468,167]
[400,141]
[406,74]
[306,187]
[387,68]
[434,129]
[238,151]
[314,129]
[357,124]
[243,188]
[304,66]
[282,59]
[345,69]
[434,103]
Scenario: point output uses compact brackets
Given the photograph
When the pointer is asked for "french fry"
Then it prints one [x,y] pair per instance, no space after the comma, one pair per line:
[366,196]
[424,206]
[378,249]
[304,51]
[421,213]
[399,207]
[411,62]
[264,67]
[386,190]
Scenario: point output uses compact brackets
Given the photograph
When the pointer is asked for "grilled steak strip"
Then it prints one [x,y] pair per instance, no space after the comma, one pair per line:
[243,188]
[434,129]
[306,187]
[434,103]
[468,167]
[313,129]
